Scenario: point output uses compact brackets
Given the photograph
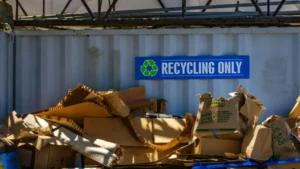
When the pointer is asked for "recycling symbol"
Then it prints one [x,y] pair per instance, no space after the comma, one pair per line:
[149,68]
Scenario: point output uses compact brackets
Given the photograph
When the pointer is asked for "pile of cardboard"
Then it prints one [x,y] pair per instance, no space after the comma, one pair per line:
[228,127]
[89,128]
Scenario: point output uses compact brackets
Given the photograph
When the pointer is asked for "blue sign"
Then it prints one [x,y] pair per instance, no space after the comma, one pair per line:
[198,67]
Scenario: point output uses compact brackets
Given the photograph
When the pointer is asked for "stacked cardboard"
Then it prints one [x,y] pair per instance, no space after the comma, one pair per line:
[102,126]
[101,129]
[223,122]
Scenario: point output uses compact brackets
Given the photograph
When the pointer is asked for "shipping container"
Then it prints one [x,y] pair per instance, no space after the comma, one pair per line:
[6,73]
[48,63]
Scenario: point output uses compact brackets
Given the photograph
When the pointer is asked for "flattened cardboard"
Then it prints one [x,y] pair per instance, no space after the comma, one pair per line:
[116,131]
[295,112]
[77,112]
[212,146]
[137,155]
[50,157]
[164,129]
[42,141]
[89,147]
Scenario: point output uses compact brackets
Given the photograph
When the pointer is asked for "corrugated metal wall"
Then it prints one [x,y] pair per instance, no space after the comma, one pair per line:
[51,62]
[6,73]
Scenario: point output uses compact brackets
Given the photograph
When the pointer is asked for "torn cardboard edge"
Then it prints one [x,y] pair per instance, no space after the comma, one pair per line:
[209,112]
[245,110]
[76,112]
[77,94]
[69,123]
[295,112]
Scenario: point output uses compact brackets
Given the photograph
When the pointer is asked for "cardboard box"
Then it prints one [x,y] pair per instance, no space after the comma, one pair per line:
[57,157]
[212,146]
[295,112]
[116,131]
[135,97]
[218,117]
[164,129]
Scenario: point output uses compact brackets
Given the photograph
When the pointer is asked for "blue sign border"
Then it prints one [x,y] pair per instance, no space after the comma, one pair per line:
[245,68]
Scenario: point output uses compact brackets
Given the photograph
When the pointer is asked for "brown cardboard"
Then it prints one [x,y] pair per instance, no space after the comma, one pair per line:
[283,146]
[212,146]
[295,112]
[68,123]
[99,150]
[77,94]
[77,112]
[37,124]
[257,143]
[116,103]
[116,131]
[217,115]
[164,129]
[285,166]
[42,141]
[16,126]
[137,155]
[135,97]
[54,157]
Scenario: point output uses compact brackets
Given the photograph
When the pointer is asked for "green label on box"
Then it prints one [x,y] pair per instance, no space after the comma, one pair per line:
[213,117]
[216,103]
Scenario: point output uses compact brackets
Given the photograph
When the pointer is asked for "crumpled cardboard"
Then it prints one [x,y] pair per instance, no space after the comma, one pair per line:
[78,94]
[37,125]
[116,103]
[250,106]
[227,118]
[283,146]
[257,143]
[295,112]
